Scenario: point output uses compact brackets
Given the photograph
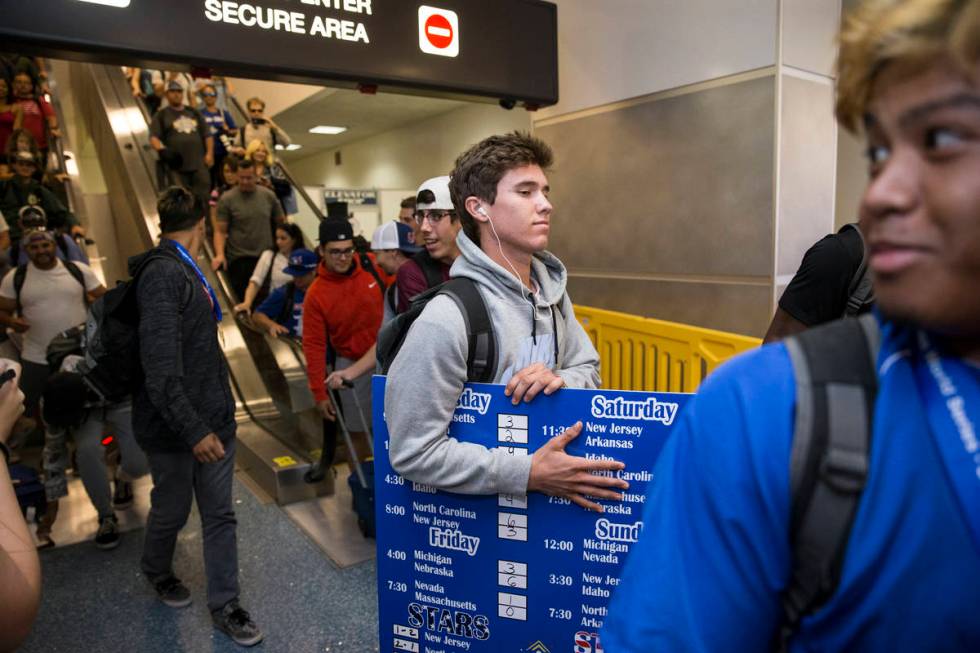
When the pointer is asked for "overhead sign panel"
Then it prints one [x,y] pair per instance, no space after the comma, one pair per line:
[506,49]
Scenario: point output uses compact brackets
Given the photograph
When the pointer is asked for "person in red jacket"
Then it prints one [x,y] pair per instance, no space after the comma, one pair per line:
[342,312]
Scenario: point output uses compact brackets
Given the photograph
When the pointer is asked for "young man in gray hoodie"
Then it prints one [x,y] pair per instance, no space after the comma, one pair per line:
[501,192]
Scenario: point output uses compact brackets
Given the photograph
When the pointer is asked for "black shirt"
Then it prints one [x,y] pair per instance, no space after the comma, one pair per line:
[182,130]
[819,290]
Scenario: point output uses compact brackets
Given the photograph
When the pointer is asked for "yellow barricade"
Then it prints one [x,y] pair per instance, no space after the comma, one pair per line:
[639,353]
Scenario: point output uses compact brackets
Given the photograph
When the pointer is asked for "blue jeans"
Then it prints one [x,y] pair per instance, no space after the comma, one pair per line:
[177,478]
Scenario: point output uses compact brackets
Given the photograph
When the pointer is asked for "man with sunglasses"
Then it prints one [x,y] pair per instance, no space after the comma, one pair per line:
[259,127]
[438,225]
[342,311]
[221,126]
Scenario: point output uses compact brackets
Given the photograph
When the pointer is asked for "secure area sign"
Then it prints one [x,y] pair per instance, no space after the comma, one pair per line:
[502,50]
[528,573]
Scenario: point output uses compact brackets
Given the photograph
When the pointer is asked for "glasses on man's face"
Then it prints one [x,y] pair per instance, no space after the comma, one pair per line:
[209,94]
[340,253]
[434,216]
[256,110]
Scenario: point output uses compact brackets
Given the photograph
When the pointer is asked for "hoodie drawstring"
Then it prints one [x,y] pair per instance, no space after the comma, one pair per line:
[554,330]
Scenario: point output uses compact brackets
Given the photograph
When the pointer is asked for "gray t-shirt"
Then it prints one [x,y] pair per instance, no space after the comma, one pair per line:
[182,131]
[249,217]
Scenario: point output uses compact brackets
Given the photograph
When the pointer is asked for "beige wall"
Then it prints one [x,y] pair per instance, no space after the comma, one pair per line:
[404,157]
[278,96]
[618,49]
[852,176]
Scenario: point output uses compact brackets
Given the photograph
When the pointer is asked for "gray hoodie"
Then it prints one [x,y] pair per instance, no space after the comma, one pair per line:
[426,378]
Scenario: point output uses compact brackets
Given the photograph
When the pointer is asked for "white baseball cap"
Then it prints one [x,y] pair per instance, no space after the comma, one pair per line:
[439,187]
[394,235]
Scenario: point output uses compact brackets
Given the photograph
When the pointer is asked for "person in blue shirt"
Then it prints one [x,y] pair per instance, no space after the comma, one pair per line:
[282,311]
[715,555]
[221,127]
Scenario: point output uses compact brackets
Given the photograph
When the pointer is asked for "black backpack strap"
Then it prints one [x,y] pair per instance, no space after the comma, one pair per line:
[431,268]
[391,297]
[860,291]
[481,358]
[288,304]
[836,382]
[76,272]
[368,265]
[20,276]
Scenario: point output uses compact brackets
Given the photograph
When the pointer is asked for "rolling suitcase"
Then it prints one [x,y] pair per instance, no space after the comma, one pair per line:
[29,491]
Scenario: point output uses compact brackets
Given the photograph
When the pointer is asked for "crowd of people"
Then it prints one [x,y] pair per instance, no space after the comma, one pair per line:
[879,551]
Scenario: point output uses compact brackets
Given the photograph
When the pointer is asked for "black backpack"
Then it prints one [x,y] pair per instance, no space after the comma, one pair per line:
[836,384]
[112,358]
[481,359]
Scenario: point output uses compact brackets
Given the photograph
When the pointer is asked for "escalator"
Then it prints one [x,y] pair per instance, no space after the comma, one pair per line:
[279,428]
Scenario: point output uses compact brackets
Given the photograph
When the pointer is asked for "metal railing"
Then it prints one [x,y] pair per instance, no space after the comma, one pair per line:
[639,353]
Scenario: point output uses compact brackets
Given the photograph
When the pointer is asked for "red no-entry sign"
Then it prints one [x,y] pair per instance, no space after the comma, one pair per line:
[438,31]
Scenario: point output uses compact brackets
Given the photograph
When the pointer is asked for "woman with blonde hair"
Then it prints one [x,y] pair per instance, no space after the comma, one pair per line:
[271,175]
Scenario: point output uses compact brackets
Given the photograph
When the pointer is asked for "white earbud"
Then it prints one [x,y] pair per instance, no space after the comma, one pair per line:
[482,211]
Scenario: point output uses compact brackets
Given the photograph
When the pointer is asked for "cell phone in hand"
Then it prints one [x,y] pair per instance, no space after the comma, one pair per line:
[7,375]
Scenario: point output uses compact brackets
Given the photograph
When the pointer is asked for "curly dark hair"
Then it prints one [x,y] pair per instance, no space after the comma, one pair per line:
[479,169]
[294,233]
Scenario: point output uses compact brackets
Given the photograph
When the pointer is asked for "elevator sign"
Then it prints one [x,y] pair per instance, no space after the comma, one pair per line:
[438,31]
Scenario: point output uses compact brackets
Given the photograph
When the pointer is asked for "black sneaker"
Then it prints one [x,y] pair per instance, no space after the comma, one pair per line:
[122,498]
[172,592]
[107,536]
[235,622]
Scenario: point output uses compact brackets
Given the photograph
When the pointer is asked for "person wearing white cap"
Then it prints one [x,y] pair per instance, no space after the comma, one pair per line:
[393,247]
[439,225]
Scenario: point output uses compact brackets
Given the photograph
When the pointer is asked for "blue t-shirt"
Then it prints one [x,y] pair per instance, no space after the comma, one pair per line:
[218,121]
[276,301]
[714,556]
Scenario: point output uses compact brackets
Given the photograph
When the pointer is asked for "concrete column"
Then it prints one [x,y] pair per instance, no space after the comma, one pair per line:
[806,133]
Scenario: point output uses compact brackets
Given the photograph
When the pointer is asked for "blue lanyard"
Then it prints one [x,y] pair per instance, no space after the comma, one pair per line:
[215,308]
[951,395]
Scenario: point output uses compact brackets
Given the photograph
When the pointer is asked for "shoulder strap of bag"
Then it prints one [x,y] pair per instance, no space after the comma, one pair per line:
[20,276]
[76,273]
[368,265]
[481,358]
[431,268]
[836,383]
[289,302]
[860,291]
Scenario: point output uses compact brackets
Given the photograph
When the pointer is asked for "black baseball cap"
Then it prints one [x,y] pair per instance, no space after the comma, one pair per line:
[333,229]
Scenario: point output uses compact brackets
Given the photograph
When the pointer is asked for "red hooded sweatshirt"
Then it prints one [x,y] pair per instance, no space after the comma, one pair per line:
[347,309]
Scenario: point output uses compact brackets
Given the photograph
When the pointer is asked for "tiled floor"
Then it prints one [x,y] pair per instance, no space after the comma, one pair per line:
[97,601]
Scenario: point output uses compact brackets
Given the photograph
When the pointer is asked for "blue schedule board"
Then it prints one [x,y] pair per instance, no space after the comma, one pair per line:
[507,573]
